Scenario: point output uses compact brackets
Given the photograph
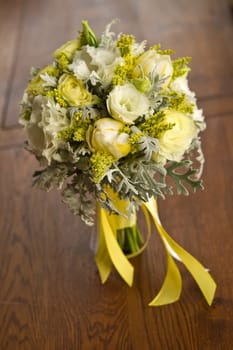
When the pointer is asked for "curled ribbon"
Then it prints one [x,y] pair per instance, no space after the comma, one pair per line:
[109,253]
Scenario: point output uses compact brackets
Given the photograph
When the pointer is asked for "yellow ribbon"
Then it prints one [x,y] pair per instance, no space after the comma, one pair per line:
[109,253]
[173,279]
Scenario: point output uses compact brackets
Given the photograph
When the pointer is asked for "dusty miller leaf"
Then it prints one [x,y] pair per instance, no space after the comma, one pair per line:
[137,180]
[197,154]
[79,196]
[51,177]
[183,174]
[148,145]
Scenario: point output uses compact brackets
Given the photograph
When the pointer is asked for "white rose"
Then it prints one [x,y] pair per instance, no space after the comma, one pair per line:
[105,136]
[174,142]
[152,63]
[126,103]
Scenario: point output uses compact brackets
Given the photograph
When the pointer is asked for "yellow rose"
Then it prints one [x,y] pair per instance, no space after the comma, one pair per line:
[150,62]
[68,49]
[37,84]
[74,92]
[174,142]
[105,136]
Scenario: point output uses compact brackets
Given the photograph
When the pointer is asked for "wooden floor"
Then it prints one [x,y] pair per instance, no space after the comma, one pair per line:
[50,294]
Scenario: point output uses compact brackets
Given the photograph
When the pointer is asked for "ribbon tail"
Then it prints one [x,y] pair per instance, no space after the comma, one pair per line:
[102,258]
[117,257]
[172,285]
[203,279]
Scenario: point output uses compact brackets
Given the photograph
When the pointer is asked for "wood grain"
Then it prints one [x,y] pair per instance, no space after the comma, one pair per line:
[45,25]
[48,271]
[10,30]
[51,297]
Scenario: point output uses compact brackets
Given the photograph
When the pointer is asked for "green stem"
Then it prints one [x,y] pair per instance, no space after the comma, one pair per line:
[121,238]
[130,239]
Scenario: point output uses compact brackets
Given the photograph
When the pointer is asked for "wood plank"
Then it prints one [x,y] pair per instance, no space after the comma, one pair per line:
[10,29]
[12,137]
[51,297]
[21,327]
[217,106]
[204,32]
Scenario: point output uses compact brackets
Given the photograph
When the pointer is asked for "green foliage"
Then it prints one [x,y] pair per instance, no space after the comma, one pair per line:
[77,129]
[130,239]
[87,36]
[179,102]
[137,180]
[51,177]
[180,67]
[184,175]
[148,145]
[57,97]
[123,72]
[155,125]
[197,155]
[125,43]
[134,141]
[80,198]
[62,62]
[26,113]
[100,163]
[161,52]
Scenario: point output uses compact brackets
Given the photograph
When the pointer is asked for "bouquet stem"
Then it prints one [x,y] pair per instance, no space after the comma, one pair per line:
[130,240]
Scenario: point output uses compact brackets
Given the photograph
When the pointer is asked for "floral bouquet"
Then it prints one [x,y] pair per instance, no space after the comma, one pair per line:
[115,126]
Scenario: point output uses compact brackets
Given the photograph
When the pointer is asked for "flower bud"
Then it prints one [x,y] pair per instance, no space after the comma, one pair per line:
[68,49]
[106,136]
[152,63]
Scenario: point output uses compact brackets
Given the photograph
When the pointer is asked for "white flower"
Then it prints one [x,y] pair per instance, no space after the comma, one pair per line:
[100,60]
[49,80]
[199,118]
[80,69]
[34,131]
[105,61]
[81,64]
[180,85]
[26,99]
[175,142]
[126,103]
[54,119]
[106,136]
[47,119]
[106,40]
[138,48]
[151,64]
